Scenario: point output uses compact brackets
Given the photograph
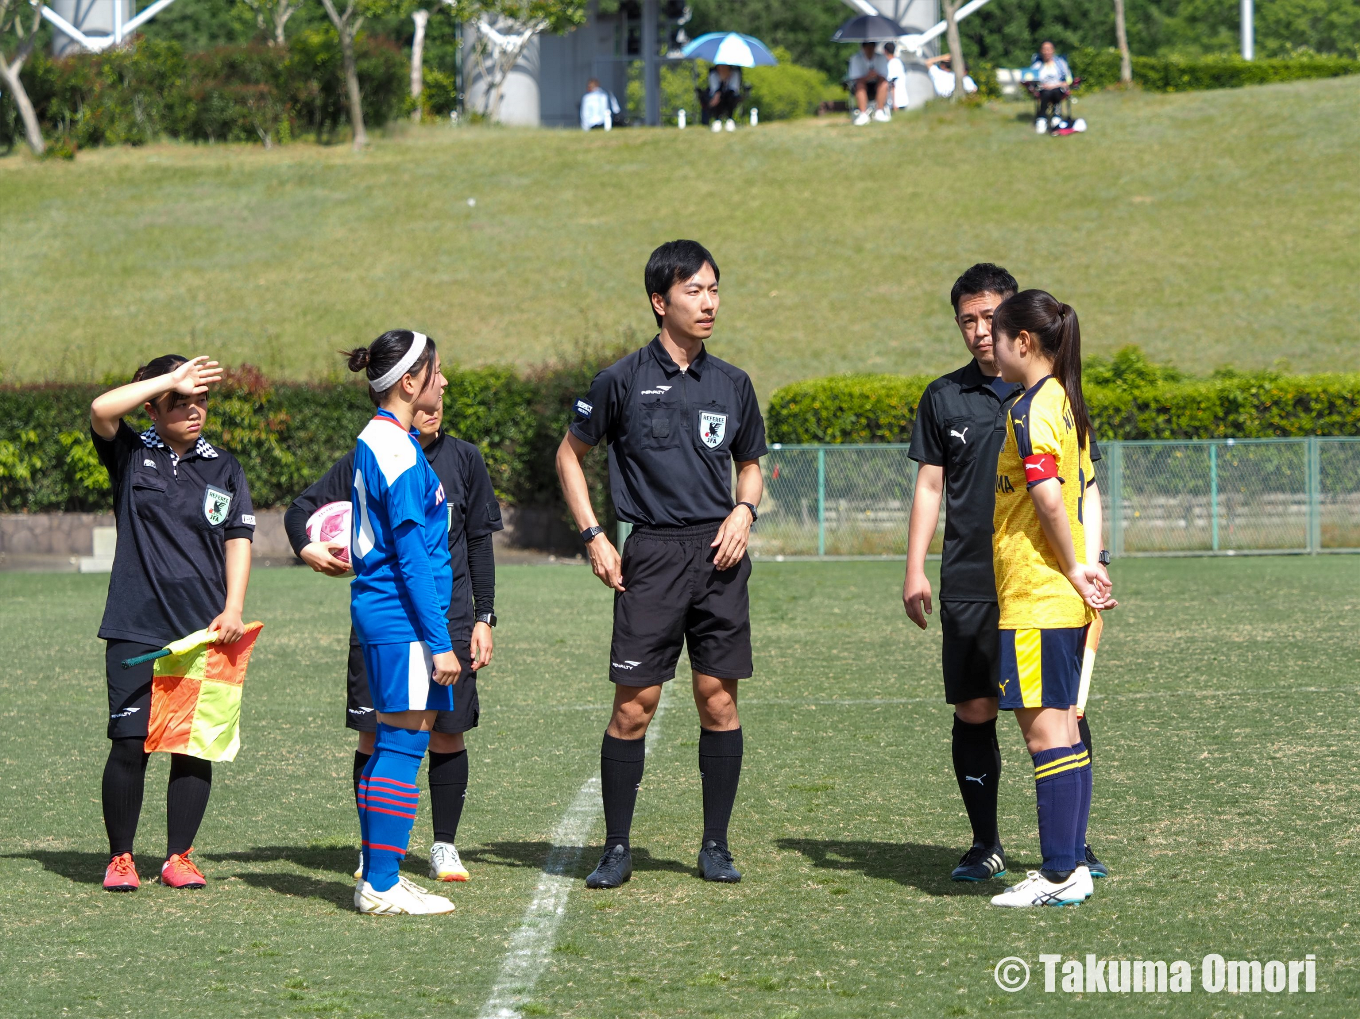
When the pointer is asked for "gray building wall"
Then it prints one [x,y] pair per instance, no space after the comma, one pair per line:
[93,17]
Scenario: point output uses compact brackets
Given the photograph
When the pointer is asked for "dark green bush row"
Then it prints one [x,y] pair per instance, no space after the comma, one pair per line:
[1129,398]
[232,93]
[1100,68]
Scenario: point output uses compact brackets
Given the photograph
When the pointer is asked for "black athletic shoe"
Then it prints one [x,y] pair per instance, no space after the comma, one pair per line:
[715,864]
[980,863]
[615,867]
[1096,868]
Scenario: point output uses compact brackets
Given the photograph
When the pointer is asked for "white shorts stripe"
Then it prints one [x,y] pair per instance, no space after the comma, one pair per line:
[418,676]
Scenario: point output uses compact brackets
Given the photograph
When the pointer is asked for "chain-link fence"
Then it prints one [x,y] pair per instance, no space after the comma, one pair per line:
[1161,498]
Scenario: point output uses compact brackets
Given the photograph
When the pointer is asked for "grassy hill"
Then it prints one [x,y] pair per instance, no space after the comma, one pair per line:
[1210,227]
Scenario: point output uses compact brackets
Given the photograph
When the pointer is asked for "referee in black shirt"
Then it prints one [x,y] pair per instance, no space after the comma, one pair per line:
[960,428]
[675,419]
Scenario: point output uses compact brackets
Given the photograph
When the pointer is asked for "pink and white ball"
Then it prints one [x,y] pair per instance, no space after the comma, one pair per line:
[331,523]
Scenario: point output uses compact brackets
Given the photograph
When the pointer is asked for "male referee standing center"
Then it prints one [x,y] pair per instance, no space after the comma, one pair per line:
[675,419]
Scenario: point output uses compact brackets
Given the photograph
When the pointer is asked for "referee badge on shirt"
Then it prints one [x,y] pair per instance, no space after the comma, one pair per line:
[216,503]
[712,428]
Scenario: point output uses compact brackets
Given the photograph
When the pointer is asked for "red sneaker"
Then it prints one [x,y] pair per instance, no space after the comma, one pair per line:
[179,872]
[121,874]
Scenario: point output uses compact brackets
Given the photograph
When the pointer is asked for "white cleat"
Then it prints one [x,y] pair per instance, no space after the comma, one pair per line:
[404,897]
[717,126]
[861,118]
[882,116]
[1037,890]
[731,124]
[445,864]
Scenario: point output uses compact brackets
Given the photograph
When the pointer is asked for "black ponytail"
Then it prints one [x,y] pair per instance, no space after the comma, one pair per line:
[1054,325]
[382,355]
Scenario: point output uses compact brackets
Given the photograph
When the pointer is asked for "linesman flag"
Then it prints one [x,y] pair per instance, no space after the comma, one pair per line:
[196,695]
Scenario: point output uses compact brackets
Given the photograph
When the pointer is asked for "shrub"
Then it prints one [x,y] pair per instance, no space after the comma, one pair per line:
[1100,68]
[788,91]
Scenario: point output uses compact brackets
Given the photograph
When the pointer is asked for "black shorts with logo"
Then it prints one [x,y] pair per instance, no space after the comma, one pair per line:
[359,713]
[673,596]
[129,689]
[971,655]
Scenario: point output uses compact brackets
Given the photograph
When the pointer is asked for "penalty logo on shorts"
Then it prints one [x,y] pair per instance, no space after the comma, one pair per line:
[216,503]
[712,429]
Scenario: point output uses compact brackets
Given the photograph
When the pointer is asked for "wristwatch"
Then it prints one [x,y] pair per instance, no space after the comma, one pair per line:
[1104,557]
[588,535]
[489,618]
[750,506]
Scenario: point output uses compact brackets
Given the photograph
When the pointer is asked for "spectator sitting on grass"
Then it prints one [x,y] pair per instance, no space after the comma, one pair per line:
[869,70]
[1054,79]
[942,76]
[723,96]
[598,107]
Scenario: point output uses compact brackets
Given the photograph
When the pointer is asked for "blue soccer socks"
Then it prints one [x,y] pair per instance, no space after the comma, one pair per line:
[387,802]
[1058,788]
[1084,776]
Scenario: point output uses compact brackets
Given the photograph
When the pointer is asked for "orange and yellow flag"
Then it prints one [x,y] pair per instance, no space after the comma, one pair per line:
[196,697]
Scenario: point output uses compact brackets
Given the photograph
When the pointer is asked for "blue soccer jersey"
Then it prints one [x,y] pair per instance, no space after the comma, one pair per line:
[399,543]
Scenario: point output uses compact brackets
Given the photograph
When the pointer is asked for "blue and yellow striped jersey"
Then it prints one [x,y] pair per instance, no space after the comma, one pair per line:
[1041,443]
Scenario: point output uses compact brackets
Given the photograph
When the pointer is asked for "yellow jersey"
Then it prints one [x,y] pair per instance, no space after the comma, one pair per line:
[1041,443]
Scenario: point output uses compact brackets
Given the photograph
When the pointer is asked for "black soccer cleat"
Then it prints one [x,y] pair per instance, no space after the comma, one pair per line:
[980,863]
[715,864]
[615,867]
[1096,868]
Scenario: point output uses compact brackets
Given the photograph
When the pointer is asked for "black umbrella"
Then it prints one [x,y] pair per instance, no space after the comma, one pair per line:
[869,28]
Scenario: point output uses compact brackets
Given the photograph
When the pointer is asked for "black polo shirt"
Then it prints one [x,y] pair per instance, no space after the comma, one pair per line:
[672,434]
[961,426]
[174,519]
[473,513]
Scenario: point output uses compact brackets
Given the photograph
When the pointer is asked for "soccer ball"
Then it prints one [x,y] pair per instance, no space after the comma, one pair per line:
[331,523]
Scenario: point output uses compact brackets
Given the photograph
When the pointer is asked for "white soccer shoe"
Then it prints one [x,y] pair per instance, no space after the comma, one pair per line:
[882,116]
[731,124]
[717,126]
[1037,890]
[404,897]
[861,118]
[445,863]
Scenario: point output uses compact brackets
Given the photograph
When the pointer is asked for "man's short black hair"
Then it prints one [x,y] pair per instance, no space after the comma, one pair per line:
[983,278]
[674,262]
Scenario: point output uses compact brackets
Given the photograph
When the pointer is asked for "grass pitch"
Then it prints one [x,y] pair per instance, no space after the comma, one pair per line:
[1227,787]
[1208,227]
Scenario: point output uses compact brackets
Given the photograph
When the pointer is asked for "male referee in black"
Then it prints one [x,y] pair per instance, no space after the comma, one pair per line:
[960,428]
[675,419]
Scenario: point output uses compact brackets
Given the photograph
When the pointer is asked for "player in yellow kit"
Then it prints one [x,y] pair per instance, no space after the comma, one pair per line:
[1047,591]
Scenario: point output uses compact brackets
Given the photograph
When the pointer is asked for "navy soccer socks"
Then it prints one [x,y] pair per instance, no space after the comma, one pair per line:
[621,762]
[1058,788]
[719,772]
[977,767]
[448,790]
[387,802]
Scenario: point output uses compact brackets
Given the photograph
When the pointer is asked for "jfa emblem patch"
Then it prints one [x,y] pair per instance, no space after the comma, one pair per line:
[216,503]
[712,429]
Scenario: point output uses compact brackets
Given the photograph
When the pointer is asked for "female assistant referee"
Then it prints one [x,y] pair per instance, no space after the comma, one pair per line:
[1048,590]
[399,599]
[182,563]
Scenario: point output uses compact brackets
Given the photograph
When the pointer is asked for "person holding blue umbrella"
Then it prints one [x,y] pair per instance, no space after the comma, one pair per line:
[728,52]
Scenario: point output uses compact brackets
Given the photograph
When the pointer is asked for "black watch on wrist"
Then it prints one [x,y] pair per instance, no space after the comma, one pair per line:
[589,534]
[489,618]
[1104,557]
[750,506]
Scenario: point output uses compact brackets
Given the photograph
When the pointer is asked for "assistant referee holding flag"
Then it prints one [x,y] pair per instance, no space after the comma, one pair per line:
[675,419]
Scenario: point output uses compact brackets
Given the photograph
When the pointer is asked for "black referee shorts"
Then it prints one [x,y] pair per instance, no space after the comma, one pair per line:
[129,689]
[359,713]
[673,596]
[972,649]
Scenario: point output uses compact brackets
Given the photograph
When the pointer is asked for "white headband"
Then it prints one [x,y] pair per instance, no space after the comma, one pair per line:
[399,369]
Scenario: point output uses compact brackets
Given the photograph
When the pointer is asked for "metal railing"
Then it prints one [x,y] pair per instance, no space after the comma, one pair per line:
[1214,497]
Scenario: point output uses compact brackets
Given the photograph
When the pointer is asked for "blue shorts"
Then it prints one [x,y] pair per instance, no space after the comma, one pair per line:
[1040,668]
[400,678]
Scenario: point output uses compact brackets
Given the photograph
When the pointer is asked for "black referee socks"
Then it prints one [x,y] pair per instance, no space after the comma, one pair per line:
[977,767]
[448,790]
[361,760]
[719,771]
[186,800]
[124,782]
[621,763]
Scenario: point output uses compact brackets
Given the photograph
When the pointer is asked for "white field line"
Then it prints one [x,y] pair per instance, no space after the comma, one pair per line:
[532,943]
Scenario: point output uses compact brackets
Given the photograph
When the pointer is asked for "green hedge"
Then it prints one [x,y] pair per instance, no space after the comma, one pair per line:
[1100,68]
[1129,398]
[154,89]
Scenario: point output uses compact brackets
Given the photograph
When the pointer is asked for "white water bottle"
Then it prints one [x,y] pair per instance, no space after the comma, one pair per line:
[680,120]
[755,116]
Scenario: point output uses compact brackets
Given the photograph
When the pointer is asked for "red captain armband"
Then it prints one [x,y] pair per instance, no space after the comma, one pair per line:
[1040,467]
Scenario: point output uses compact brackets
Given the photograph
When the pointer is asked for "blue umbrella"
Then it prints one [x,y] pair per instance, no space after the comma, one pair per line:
[729,48]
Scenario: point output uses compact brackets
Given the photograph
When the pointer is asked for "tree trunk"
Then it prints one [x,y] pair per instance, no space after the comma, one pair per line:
[955,48]
[346,26]
[281,15]
[1121,38]
[9,72]
[418,60]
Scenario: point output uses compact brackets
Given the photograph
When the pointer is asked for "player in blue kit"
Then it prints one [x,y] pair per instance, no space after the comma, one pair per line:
[398,602]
